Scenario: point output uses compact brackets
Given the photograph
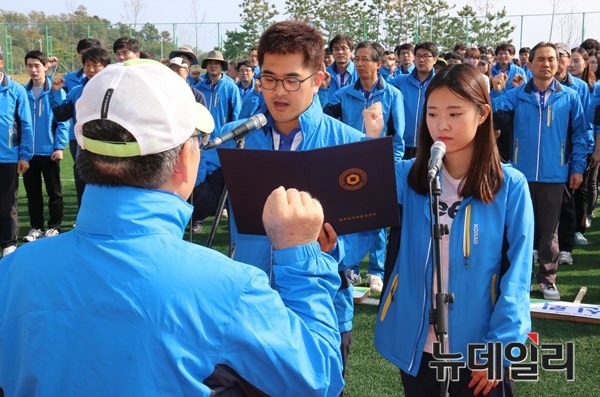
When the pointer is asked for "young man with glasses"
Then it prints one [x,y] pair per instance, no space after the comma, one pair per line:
[342,72]
[406,58]
[413,86]
[290,55]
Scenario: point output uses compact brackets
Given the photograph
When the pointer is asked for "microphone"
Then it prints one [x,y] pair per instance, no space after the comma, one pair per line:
[438,150]
[253,123]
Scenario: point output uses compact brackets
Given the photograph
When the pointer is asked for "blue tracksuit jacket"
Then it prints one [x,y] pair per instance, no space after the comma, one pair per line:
[48,135]
[490,284]
[549,144]
[16,131]
[128,308]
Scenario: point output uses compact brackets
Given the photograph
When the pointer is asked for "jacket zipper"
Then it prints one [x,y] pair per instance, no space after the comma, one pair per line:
[537,166]
[417,117]
[516,151]
[493,289]
[412,360]
[467,235]
[562,153]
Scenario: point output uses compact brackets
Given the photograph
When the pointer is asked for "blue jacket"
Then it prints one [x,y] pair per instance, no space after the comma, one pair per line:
[224,101]
[583,90]
[413,92]
[16,129]
[349,102]
[491,301]
[47,136]
[511,72]
[548,144]
[128,308]
[334,85]
[318,131]
[594,109]
[64,108]
[252,102]
[73,79]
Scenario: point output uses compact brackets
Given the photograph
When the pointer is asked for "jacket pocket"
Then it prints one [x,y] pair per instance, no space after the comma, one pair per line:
[389,299]
[493,289]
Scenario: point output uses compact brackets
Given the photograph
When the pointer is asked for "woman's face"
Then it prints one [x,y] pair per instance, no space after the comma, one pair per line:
[454,121]
[483,67]
[578,64]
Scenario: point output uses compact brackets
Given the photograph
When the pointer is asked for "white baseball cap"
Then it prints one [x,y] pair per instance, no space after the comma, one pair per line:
[179,62]
[146,98]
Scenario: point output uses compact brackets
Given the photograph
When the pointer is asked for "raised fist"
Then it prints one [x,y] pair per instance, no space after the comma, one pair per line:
[292,218]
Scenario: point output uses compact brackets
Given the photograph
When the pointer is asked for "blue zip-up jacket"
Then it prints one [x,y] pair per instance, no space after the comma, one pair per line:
[349,102]
[549,144]
[64,108]
[129,308]
[252,102]
[511,72]
[16,130]
[318,131]
[223,99]
[334,85]
[413,93]
[594,109]
[583,90]
[73,79]
[47,136]
[491,299]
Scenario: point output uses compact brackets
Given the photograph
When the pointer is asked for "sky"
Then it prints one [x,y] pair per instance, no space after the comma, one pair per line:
[226,14]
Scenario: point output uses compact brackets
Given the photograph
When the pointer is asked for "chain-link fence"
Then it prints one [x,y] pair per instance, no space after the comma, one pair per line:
[60,39]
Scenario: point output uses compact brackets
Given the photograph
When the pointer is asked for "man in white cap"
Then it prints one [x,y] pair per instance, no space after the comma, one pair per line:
[128,307]
[179,65]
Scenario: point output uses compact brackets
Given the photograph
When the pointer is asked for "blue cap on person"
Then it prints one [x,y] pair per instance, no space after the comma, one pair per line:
[146,98]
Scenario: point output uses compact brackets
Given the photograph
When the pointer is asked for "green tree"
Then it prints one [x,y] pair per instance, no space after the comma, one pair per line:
[256,16]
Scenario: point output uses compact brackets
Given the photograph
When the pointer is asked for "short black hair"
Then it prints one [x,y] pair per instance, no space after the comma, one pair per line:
[86,44]
[429,46]
[35,54]
[97,55]
[146,172]
[126,42]
[340,38]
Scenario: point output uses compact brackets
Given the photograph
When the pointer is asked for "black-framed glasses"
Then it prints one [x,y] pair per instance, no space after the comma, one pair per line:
[290,84]
[423,56]
[201,137]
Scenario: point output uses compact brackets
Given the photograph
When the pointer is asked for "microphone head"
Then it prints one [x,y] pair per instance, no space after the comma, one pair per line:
[438,146]
[259,120]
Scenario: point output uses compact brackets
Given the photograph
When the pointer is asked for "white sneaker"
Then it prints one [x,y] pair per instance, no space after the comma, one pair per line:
[197,226]
[34,234]
[224,214]
[579,239]
[588,222]
[375,283]
[565,258]
[51,232]
[535,256]
[550,291]
[9,250]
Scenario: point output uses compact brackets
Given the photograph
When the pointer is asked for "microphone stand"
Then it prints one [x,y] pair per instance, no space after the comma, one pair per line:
[213,230]
[438,316]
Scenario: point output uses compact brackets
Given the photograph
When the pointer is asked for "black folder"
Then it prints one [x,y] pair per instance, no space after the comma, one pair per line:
[355,183]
